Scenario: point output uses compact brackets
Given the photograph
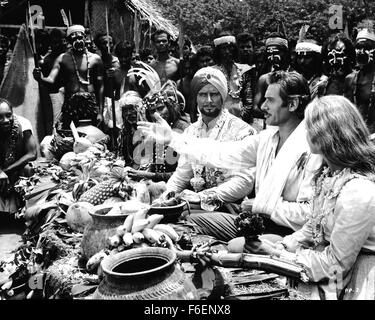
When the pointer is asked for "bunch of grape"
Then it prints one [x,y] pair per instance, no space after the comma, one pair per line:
[250,225]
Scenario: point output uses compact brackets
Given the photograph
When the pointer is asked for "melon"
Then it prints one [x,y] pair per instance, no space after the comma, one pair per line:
[67,159]
[78,216]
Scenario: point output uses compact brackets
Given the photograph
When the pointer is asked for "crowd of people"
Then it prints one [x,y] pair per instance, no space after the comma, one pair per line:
[282,131]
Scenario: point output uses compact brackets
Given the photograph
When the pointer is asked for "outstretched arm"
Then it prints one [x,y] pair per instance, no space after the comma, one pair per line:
[233,155]
[51,78]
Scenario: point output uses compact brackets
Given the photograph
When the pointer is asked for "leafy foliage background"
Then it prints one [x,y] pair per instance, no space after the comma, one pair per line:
[203,19]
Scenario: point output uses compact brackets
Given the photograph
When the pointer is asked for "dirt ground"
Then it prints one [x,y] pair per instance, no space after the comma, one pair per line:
[10,235]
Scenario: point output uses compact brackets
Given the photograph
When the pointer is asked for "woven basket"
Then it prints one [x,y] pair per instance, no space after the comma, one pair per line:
[62,142]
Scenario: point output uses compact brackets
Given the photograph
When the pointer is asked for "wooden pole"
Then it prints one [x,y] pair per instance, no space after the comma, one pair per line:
[110,84]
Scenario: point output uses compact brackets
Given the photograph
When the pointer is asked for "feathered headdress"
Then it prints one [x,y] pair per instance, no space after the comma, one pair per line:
[148,75]
[168,93]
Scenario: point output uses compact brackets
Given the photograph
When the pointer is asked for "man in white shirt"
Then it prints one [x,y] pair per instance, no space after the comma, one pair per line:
[281,154]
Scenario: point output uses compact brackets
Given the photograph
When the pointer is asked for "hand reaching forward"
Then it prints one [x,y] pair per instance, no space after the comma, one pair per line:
[159,131]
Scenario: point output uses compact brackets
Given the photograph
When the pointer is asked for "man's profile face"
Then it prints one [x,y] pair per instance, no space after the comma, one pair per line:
[209,101]
[246,50]
[77,40]
[365,51]
[6,117]
[205,61]
[274,108]
[161,42]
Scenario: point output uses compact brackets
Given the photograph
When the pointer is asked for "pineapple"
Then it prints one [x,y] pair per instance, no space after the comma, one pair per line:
[105,189]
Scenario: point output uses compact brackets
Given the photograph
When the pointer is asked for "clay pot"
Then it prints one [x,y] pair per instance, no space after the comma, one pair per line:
[144,274]
[92,133]
[96,234]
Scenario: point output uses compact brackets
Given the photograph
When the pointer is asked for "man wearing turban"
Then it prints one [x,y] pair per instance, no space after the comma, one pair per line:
[215,186]
[82,77]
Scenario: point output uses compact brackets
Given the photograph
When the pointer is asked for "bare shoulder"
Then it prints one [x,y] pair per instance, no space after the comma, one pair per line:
[94,57]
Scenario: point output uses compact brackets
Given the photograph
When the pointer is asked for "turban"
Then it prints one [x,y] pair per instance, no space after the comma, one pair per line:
[277,41]
[210,75]
[223,40]
[365,35]
[308,47]
[75,28]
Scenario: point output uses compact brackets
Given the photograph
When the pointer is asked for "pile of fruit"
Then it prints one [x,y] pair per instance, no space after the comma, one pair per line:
[138,230]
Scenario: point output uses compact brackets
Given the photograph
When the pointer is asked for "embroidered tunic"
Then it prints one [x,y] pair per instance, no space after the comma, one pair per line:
[340,226]
[230,185]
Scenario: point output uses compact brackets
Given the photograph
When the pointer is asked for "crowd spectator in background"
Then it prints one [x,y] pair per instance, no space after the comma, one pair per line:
[310,65]
[277,58]
[246,47]
[57,47]
[166,65]
[238,101]
[359,85]
[339,60]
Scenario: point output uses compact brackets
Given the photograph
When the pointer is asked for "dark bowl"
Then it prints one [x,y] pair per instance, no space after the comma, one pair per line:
[171,213]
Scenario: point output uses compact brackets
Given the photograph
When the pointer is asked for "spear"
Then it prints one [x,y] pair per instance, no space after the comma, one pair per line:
[32,34]
[137,36]
[110,84]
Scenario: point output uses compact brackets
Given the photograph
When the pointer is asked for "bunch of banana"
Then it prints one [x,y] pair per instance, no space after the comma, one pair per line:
[140,230]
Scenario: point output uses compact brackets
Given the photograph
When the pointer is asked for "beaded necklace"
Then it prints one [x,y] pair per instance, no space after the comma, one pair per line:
[80,80]
[235,94]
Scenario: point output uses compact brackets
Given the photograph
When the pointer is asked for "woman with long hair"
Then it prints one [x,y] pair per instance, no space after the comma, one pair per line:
[336,246]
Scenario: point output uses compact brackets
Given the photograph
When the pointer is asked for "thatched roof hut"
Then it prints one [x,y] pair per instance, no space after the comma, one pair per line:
[91,13]
[122,15]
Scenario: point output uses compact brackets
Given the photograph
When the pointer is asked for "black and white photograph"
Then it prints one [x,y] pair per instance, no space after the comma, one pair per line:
[211,152]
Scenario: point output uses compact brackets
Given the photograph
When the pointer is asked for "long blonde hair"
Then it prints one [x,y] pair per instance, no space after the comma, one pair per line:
[336,126]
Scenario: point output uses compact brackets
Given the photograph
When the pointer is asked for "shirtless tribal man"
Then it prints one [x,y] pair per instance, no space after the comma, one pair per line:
[82,77]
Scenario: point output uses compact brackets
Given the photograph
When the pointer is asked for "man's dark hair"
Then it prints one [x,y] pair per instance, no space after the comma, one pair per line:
[245,37]
[144,53]
[292,84]
[124,48]
[57,34]
[42,36]
[159,32]
[204,51]
[102,34]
